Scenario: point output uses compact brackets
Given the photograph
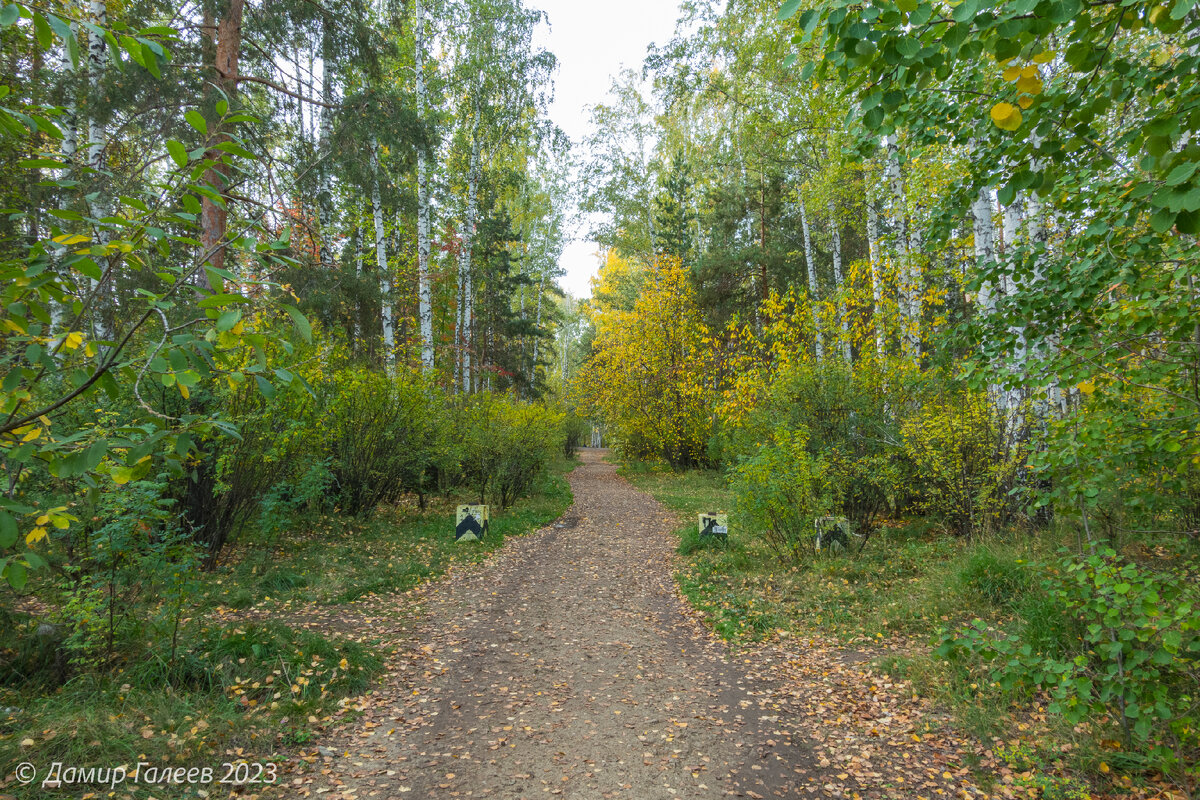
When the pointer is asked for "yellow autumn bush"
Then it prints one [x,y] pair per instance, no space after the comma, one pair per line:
[648,376]
[964,464]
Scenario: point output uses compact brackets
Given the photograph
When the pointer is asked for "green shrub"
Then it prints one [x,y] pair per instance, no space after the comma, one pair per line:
[778,493]
[846,424]
[962,452]
[1132,659]
[507,445]
[577,432]
[380,434]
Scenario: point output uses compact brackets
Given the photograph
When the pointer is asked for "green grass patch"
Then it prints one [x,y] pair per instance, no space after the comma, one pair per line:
[333,559]
[909,581]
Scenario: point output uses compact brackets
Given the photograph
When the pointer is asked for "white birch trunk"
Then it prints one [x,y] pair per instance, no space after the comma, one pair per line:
[913,282]
[537,327]
[910,340]
[468,234]
[876,285]
[385,278]
[812,281]
[1011,226]
[69,148]
[1036,227]
[984,230]
[424,296]
[97,135]
[837,283]
[325,196]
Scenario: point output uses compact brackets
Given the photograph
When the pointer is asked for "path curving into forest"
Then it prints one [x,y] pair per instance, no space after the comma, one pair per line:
[566,664]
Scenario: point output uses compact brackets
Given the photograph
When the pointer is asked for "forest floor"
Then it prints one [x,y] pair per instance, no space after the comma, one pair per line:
[569,664]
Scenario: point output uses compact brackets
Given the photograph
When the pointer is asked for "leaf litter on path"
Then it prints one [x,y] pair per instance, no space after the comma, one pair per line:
[568,664]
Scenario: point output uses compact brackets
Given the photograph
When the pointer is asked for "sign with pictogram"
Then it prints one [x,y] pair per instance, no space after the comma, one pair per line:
[471,523]
[714,523]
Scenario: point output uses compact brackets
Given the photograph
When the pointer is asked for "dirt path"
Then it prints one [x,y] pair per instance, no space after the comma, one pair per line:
[567,665]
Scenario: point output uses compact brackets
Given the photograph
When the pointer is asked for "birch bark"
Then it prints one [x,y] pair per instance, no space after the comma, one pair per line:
[97,140]
[385,279]
[424,295]
[876,286]
[812,281]
[837,283]
[464,263]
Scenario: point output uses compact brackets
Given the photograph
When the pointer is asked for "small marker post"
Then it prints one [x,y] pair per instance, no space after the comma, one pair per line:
[471,523]
[714,524]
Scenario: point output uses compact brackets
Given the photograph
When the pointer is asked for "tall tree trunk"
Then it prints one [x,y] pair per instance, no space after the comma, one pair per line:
[984,229]
[424,296]
[910,338]
[537,327]
[843,316]
[1011,229]
[356,331]
[874,257]
[69,125]
[812,280]
[1038,239]
[468,237]
[762,236]
[325,193]
[387,314]
[214,219]
[914,286]
[97,140]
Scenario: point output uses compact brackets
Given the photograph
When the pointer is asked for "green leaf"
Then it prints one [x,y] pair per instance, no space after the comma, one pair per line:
[15,574]
[149,60]
[196,120]
[789,9]
[1181,173]
[9,15]
[218,300]
[228,320]
[8,530]
[1161,222]
[178,152]
[300,321]
[1188,222]
[265,386]
[964,12]
[45,36]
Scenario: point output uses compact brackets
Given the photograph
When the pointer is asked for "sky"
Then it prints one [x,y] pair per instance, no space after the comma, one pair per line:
[593,41]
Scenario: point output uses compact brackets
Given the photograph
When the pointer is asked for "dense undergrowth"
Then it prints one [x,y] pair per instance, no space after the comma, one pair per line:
[269,649]
[913,595]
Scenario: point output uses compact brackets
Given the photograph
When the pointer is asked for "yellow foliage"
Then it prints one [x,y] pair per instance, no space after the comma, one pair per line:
[648,376]
[1006,116]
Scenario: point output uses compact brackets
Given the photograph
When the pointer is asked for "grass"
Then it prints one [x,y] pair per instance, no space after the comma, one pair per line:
[892,601]
[910,580]
[339,559]
[243,683]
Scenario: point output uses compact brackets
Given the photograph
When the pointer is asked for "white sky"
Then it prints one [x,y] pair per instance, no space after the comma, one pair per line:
[592,41]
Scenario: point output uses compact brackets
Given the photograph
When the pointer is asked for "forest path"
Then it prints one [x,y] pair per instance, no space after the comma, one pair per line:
[566,664]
